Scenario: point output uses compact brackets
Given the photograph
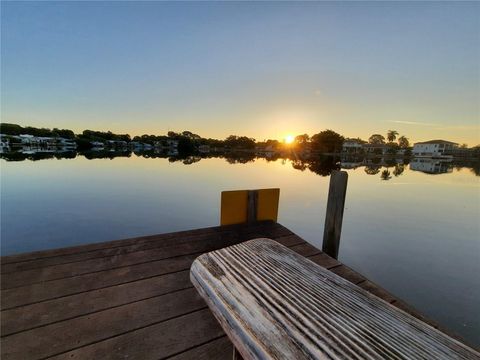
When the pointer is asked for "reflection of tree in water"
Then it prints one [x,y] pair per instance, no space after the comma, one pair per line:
[390,162]
[91,155]
[191,160]
[372,169]
[323,166]
[299,164]
[386,175]
[476,169]
[240,158]
[185,159]
[399,169]
[19,156]
[66,155]
[13,156]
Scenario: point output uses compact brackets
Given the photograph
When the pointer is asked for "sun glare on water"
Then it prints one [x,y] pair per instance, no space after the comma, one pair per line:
[289,139]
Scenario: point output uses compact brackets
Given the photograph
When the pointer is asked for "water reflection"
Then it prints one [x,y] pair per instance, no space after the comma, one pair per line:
[432,166]
[387,167]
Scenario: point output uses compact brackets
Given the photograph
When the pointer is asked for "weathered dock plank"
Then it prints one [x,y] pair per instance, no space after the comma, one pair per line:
[46,258]
[83,330]
[275,304]
[51,311]
[54,289]
[83,302]
[158,341]
[219,349]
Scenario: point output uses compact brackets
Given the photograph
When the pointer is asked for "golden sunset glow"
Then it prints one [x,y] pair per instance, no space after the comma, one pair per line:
[289,139]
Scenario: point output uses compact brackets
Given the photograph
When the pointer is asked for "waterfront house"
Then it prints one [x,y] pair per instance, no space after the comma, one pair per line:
[4,141]
[27,139]
[377,149]
[352,147]
[433,148]
[67,143]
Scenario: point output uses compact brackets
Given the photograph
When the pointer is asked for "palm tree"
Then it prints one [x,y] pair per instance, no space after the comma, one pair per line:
[403,142]
[392,135]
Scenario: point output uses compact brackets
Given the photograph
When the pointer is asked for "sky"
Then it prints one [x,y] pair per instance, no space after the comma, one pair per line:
[261,69]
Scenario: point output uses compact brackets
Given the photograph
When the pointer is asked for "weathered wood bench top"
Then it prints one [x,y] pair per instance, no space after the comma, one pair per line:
[276,304]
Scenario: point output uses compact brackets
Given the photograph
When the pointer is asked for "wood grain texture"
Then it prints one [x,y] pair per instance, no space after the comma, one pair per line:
[276,304]
[219,349]
[154,342]
[87,329]
[39,259]
[68,307]
[334,215]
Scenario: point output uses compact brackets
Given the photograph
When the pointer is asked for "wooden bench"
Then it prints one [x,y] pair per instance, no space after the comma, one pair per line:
[276,304]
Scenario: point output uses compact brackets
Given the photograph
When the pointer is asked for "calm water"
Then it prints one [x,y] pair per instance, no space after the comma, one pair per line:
[416,234]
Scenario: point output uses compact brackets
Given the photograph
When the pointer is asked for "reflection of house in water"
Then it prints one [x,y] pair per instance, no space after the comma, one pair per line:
[353,162]
[431,166]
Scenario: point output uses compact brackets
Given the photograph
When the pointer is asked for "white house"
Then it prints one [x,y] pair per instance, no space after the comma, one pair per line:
[433,148]
[351,146]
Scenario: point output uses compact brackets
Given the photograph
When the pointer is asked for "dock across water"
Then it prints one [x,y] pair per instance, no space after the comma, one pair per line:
[131,298]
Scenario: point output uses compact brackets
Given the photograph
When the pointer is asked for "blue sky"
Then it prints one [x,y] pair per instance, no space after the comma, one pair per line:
[259,69]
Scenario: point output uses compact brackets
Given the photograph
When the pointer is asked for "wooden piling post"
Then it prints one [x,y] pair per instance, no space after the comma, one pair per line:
[334,216]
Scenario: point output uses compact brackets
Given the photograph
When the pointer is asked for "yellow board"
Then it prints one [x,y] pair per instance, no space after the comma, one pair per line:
[234,206]
[267,208]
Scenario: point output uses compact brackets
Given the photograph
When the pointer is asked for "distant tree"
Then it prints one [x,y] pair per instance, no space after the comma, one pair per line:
[273,144]
[376,139]
[11,129]
[358,140]
[190,135]
[302,139]
[392,148]
[239,142]
[173,134]
[476,150]
[63,133]
[327,141]
[403,142]
[392,135]
[44,132]
[185,145]
[464,146]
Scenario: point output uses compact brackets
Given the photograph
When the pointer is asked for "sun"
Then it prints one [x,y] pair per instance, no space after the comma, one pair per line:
[289,139]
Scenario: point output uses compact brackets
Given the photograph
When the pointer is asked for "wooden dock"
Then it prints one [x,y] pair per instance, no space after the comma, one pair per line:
[130,298]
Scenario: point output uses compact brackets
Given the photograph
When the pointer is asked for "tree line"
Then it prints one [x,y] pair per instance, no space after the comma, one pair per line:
[327,141]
